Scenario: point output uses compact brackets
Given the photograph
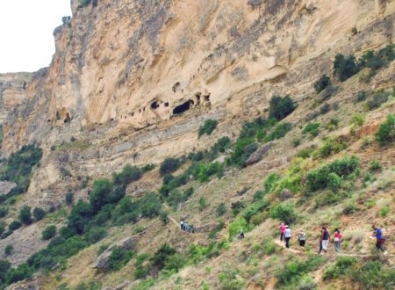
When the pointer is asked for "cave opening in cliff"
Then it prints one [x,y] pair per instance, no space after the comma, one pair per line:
[183,107]
[166,104]
[197,96]
[207,98]
[154,105]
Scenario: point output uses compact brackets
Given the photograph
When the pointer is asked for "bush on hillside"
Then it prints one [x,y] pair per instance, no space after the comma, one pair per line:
[162,256]
[208,127]
[118,258]
[102,193]
[25,215]
[79,217]
[379,98]
[345,67]
[169,165]
[38,213]
[312,129]
[386,133]
[48,233]
[323,82]
[284,212]
[127,175]
[280,107]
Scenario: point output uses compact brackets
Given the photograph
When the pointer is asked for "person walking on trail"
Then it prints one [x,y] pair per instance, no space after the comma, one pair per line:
[302,238]
[337,240]
[378,233]
[282,231]
[182,225]
[287,236]
[324,240]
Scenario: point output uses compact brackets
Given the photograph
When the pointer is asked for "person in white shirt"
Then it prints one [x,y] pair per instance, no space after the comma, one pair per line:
[287,236]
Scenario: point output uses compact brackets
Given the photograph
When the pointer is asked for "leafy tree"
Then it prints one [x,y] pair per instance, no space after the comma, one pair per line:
[25,215]
[323,82]
[345,67]
[162,255]
[127,175]
[386,133]
[280,107]
[49,232]
[169,165]
[101,194]
[79,216]
[38,213]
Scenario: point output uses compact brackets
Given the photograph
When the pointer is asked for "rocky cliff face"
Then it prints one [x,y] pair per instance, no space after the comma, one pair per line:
[12,92]
[133,80]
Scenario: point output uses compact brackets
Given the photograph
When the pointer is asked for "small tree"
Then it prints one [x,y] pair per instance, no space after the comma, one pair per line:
[49,232]
[344,67]
[8,250]
[323,82]
[208,127]
[386,133]
[38,213]
[281,107]
[25,215]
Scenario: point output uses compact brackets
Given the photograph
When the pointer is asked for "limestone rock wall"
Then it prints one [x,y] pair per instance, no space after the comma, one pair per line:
[133,80]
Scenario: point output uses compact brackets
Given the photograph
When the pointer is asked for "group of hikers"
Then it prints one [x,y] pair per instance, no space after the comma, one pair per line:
[187,227]
[285,235]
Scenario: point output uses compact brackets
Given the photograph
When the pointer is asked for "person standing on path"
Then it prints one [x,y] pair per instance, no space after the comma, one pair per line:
[282,230]
[337,239]
[302,238]
[378,233]
[287,236]
[324,240]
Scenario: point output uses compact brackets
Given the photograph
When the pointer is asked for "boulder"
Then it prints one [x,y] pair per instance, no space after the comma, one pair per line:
[258,154]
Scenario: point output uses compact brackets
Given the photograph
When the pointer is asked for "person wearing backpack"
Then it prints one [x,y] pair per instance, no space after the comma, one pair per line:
[337,240]
[380,240]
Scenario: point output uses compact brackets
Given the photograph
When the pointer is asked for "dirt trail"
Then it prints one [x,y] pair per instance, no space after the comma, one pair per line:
[278,243]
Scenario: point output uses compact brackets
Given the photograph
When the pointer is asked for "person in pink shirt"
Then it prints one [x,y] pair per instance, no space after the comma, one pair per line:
[337,240]
[282,231]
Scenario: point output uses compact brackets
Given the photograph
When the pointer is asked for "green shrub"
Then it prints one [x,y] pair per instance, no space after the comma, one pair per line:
[162,256]
[19,166]
[3,212]
[229,279]
[169,165]
[375,166]
[103,193]
[25,215]
[361,96]
[319,178]
[386,133]
[237,225]
[258,195]
[379,98]
[79,217]
[322,83]
[280,107]
[202,203]
[332,146]
[95,234]
[291,272]
[284,212]
[312,129]
[344,67]
[271,182]
[127,175]
[8,250]
[22,272]
[141,270]
[208,127]
[222,144]
[118,258]
[334,181]
[49,232]
[4,267]
[305,152]
[221,209]
[279,131]
[254,209]
[38,213]
[164,217]
[14,225]
[372,275]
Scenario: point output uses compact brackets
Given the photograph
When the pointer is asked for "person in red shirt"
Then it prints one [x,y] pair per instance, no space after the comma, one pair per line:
[337,239]
[282,231]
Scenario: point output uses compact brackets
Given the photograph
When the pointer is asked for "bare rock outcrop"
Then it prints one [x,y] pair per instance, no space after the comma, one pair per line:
[258,154]
[102,261]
